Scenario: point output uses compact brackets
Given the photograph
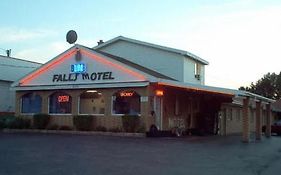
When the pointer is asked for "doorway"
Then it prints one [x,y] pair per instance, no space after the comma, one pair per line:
[158,108]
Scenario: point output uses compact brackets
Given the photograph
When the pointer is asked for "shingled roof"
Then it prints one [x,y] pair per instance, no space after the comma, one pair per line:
[12,69]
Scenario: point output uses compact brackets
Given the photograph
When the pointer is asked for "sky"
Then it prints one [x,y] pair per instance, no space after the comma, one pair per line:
[240,38]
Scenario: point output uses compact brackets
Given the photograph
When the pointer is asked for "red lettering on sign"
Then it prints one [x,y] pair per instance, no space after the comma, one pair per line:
[126,94]
[63,98]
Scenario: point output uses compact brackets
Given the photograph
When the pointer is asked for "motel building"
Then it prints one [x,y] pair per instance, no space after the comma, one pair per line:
[164,86]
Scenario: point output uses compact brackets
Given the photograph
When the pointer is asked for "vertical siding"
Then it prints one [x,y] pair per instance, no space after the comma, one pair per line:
[7,97]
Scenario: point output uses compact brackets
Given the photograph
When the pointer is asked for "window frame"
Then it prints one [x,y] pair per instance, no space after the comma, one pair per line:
[238,114]
[79,100]
[59,114]
[112,105]
[29,113]
[197,70]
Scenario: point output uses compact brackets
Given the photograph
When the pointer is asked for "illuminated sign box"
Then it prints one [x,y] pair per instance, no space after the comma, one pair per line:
[78,68]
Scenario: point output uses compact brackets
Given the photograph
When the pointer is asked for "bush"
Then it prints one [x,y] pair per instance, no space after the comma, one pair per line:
[19,123]
[101,128]
[14,122]
[65,127]
[130,123]
[141,129]
[6,120]
[2,125]
[52,127]
[41,121]
[115,129]
[83,122]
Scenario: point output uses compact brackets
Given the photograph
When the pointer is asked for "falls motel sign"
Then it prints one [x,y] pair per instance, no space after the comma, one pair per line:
[90,68]
[79,71]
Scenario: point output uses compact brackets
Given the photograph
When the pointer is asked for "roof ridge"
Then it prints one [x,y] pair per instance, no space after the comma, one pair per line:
[157,46]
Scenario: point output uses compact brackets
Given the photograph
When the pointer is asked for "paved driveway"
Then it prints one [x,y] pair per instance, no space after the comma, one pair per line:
[26,154]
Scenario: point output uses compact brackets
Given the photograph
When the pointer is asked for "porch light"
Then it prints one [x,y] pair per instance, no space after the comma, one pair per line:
[91,91]
[159,92]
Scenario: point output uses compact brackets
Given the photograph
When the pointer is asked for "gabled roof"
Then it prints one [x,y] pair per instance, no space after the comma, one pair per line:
[168,49]
[136,66]
[120,63]
[11,69]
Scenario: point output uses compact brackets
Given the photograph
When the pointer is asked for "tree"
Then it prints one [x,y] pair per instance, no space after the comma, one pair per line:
[268,86]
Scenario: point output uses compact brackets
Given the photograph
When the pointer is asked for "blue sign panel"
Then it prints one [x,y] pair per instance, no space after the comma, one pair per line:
[78,68]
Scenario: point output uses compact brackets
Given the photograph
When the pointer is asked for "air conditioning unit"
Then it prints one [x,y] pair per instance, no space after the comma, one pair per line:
[197,76]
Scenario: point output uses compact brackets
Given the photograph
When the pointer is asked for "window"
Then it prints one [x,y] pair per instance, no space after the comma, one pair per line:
[126,102]
[60,103]
[91,102]
[197,70]
[252,115]
[238,117]
[31,103]
[177,106]
[230,114]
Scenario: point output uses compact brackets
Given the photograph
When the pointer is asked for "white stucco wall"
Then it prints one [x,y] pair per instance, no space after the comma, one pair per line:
[7,97]
[167,63]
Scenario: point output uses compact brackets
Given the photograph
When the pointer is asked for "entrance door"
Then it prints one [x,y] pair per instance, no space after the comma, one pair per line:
[158,105]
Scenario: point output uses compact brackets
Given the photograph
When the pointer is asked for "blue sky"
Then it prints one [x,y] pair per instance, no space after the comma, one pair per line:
[240,39]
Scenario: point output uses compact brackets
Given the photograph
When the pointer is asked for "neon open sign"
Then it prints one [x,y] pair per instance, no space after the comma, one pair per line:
[63,98]
[78,68]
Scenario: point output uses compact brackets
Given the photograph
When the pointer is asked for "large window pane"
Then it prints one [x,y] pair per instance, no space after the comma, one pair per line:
[91,102]
[60,103]
[31,103]
[126,102]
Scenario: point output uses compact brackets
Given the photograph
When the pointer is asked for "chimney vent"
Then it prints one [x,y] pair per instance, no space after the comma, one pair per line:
[100,42]
[8,52]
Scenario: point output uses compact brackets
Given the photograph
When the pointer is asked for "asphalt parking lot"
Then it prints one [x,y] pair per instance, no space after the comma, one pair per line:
[64,154]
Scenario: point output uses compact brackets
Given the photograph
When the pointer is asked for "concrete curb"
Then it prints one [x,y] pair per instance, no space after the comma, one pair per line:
[119,134]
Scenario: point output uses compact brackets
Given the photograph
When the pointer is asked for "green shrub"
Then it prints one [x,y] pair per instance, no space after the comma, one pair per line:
[101,128]
[6,120]
[84,122]
[141,129]
[19,123]
[52,127]
[130,123]
[65,127]
[2,125]
[2,122]
[117,129]
[41,121]
[14,122]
